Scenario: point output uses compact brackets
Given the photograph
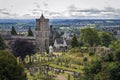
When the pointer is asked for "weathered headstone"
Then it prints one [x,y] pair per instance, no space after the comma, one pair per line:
[50,50]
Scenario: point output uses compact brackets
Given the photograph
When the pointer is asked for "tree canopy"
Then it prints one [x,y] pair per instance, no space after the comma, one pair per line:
[57,35]
[89,36]
[106,38]
[94,37]
[2,43]
[22,47]
[115,47]
[102,70]
[9,68]
[107,67]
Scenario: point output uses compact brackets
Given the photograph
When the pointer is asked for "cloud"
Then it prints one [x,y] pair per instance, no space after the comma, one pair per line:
[36,4]
[72,7]
[4,10]
[28,16]
[35,13]
[54,14]
[45,4]
[75,12]
[5,13]
[36,10]
[107,12]
[39,8]
[71,12]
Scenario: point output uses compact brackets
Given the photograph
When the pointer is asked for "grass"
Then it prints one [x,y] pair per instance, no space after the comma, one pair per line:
[65,68]
[74,59]
[57,53]
[66,76]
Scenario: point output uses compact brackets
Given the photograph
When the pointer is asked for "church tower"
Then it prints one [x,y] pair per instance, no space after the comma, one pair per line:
[42,33]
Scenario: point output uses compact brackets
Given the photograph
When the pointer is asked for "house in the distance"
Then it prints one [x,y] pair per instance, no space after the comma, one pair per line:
[60,44]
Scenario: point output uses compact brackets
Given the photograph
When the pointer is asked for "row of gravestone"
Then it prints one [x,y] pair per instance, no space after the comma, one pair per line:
[27,60]
[45,69]
[33,58]
[57,71]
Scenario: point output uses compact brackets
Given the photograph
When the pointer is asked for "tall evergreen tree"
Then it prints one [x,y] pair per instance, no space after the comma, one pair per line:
[13,31]
[74,42]
[2,43]
[57,35]
[30,33]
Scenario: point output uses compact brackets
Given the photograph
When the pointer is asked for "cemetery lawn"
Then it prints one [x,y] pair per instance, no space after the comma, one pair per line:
[69,63]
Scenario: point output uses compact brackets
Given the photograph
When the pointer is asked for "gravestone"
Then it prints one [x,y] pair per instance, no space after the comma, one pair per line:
[50,50]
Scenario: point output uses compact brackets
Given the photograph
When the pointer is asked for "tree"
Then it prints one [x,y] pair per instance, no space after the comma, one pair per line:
[101,70]
[74,42]
[13,31]
[93,68]
[9,68]
[2,43]
[108,67]
[89,36]
[22,47]
[30,33]
[57,35]
[106,38]
[115,45]
[116,55]
[109,71]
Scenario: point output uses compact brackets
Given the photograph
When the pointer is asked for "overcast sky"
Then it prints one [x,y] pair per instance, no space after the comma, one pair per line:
[80,9]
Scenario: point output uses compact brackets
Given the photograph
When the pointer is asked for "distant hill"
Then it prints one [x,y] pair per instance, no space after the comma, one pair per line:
[57,20]
[26,23]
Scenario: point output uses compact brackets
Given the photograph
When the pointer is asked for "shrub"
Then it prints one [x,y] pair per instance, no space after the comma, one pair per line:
[9,68]
[85,59]
[74,50]
[91,53]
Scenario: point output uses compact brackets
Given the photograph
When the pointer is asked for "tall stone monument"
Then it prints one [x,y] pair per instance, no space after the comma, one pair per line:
[42,33]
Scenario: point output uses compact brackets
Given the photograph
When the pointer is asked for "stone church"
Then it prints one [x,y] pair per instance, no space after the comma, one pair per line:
[40,39]
[43,38]
[42,33]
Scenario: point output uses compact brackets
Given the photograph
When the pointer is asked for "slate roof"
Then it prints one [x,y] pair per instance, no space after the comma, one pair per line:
[59,40]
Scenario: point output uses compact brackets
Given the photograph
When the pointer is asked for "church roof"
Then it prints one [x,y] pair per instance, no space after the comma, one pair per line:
[42,17]
[59,40]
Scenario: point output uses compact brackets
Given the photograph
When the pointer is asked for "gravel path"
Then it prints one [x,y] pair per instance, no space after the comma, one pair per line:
[60,77]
